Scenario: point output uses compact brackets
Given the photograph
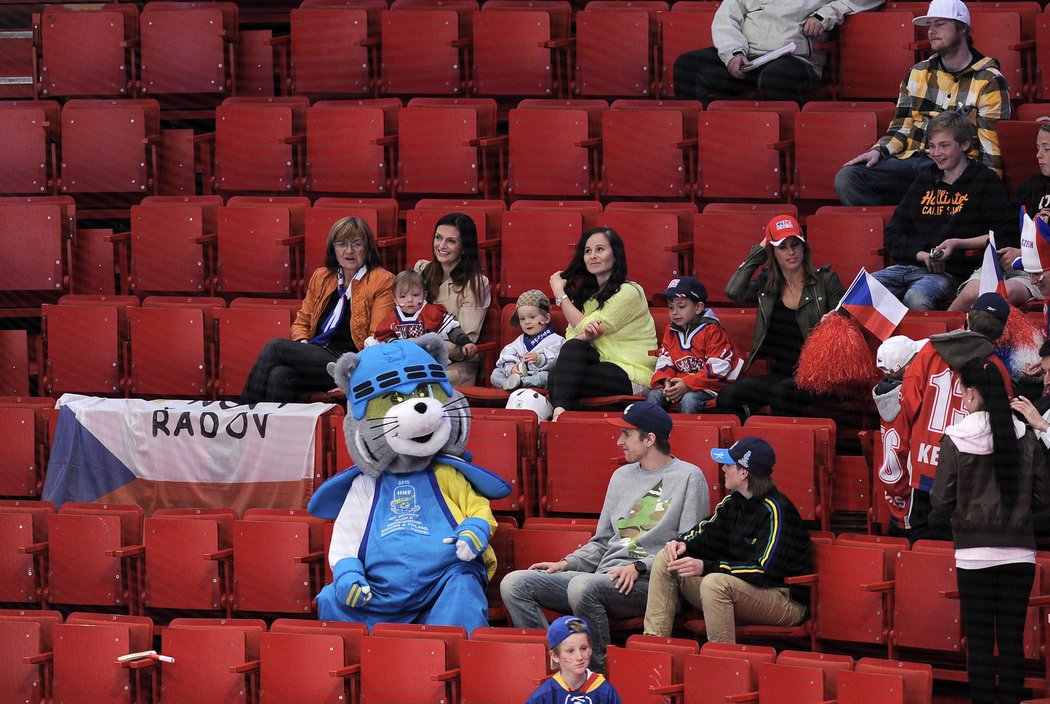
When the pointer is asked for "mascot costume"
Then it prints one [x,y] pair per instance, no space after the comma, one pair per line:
[412,518]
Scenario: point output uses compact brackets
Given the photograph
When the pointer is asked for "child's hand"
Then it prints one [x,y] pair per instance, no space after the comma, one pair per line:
[469,349]
[530,358]
[674,390]
[516,369]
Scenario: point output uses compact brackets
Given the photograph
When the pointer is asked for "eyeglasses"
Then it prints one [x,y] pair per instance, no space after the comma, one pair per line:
[343,244]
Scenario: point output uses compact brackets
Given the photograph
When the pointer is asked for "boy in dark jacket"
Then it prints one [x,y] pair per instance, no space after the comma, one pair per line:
[946,213]
[733,564]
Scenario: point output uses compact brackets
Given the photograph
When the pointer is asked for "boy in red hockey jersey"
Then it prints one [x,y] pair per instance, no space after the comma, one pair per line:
[696,356]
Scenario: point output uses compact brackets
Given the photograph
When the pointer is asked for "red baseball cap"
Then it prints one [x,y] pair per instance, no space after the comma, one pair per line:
[781,227]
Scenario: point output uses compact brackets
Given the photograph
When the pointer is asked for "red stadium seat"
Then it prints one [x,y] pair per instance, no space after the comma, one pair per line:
[685,28]
[876,52]
[88,51]
[723,174]
[259,245]
[277,561]
[86,648]
[39,235]
[258,146]
[350,146]
[26,659]
[315,661]
[817,161]
[332,51]
[616,45]
[218,658]
[520,49]
[188,555]
[458,134]
[23,551]
[553,148]
[668,150]
[94,552]
[423,51]
[189,54]
[29,135]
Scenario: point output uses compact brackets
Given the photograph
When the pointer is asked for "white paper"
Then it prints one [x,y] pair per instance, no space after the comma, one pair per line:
[788,48]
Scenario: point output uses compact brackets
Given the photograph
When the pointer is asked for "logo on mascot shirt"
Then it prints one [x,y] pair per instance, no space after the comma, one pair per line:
[404,508]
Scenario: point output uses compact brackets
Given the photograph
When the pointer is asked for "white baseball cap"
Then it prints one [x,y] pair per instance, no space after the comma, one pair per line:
[945,10]
[896,352]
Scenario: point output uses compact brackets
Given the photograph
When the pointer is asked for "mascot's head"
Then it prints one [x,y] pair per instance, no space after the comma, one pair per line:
[402,408]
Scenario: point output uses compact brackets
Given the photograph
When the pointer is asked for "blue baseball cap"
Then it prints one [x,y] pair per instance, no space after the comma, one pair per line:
[753,454]
[686,287]
[560,630]
[645,416]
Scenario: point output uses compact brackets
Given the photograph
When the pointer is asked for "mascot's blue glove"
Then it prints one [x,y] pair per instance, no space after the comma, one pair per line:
[471,538]
[349,582]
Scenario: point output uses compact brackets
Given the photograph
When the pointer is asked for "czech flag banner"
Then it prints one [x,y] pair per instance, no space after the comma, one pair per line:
[173,453]
[873,306]
[991,270]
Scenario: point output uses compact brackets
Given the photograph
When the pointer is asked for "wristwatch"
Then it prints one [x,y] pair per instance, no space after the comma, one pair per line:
[640,566]
[558,300]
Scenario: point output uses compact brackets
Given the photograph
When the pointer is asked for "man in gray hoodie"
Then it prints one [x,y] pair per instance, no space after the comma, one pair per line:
[650,500]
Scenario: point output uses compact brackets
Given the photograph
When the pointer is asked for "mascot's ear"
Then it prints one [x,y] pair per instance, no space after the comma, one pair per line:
[434,346]
[342,368]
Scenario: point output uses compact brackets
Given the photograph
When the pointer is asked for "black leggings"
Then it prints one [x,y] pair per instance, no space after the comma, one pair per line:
[993,602]
[580,373]
[748,396]
[701,75]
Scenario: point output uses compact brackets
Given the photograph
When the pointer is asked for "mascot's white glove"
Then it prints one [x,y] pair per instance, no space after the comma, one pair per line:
[348,578]
[471,539]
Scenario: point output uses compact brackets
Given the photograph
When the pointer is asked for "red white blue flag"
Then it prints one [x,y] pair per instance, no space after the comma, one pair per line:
[873,306]
[991,270]
[170,454]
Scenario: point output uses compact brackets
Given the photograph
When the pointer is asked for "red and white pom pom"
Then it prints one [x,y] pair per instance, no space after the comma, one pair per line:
[836,359]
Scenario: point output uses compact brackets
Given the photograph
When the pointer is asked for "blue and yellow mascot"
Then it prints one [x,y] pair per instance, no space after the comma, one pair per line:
[412,517]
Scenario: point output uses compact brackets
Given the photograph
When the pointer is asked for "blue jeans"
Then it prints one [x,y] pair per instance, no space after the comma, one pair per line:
[916,286]
[692,401]
[593,597]
[885,183]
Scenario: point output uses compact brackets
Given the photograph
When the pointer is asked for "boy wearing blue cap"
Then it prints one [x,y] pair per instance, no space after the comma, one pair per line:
[650,500]
[569,639]
[733,564]
[696,357]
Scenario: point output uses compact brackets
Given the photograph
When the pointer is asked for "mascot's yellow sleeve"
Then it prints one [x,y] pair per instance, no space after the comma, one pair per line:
[464,502]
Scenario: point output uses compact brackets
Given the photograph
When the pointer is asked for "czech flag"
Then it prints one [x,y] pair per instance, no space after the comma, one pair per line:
[873,306]
[992,270]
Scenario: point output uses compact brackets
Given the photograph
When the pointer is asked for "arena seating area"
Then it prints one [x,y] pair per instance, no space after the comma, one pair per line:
[168,174]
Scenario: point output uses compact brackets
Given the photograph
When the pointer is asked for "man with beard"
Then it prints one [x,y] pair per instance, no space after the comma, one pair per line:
[958,78]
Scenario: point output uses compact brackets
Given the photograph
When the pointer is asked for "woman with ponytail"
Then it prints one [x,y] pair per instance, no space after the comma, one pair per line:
[991,475]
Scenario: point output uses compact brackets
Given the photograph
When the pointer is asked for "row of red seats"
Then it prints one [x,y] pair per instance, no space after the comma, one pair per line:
[581,149]
[867,592]
[241,660]
[257,246]
[358,48]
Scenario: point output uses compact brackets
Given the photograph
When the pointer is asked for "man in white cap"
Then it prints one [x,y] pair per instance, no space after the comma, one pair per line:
[957,77]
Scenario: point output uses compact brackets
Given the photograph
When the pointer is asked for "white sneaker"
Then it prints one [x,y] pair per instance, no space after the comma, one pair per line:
[512,382]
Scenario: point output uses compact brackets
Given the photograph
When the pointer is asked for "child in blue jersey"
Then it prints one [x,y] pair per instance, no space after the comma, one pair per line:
[569,638]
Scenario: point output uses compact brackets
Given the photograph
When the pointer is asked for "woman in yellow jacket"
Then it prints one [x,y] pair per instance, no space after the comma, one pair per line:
[345,300]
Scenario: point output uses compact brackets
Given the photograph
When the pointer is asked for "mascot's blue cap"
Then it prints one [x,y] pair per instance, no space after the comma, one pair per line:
[395,366]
